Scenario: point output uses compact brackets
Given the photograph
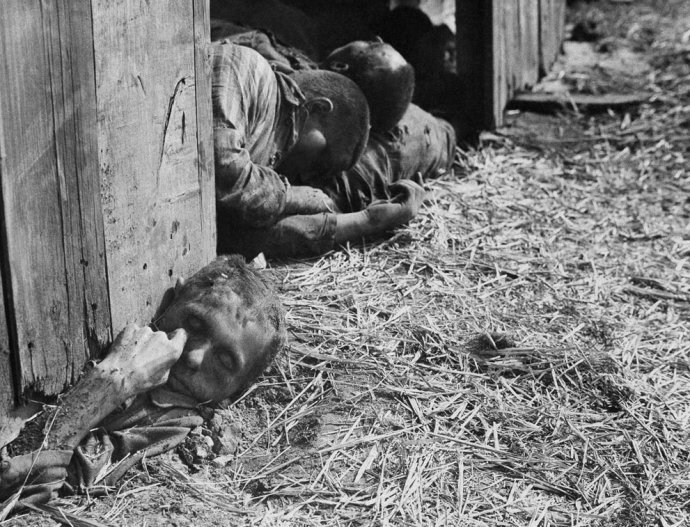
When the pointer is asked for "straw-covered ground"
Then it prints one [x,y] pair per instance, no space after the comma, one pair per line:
[519,355]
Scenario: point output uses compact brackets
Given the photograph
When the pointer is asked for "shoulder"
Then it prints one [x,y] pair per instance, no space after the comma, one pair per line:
[239,68]
[227,50]
[226,54]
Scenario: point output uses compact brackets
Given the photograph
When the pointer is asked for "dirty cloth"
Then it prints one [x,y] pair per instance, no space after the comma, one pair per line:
[256,122]
[420,143]
[154,422]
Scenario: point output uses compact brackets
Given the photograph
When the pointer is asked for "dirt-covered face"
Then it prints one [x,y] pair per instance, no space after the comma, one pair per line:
[226,346]
[321,149]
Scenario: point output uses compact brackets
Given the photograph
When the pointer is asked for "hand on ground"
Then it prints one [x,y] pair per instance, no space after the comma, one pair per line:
[402,207]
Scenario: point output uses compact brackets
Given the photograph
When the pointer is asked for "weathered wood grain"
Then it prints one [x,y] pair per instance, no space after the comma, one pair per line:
[529,42]
[552,21]
[54,247]
[204,134]
[584,102]
[6,380]
[157,190]
[504,46]
[6,360]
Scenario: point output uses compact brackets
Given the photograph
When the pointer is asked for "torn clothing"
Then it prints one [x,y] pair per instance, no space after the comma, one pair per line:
[155,422]
[420,143]
[256,122]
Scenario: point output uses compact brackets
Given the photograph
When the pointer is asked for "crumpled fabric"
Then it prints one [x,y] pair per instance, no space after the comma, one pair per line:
[420,142]
[151,424]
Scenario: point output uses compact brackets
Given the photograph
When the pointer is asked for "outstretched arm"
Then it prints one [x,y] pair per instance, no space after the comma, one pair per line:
[381,216]
[139,359]
[313,234]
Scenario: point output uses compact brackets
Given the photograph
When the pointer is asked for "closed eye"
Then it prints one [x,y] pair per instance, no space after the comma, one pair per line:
[228,360]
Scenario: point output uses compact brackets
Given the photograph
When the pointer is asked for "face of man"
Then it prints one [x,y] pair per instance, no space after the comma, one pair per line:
[318,152]
[225,347]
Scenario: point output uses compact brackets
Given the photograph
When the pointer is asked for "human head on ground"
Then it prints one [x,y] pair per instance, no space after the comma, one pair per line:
[382,73]
[335,130]
[235,327]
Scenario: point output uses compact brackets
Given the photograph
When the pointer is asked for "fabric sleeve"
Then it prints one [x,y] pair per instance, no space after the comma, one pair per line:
[104,457]
[420,143]
[298,235]
[245,95]
[253,194]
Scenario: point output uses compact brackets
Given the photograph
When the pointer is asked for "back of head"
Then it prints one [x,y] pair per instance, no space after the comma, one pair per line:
[232,274]
[348,122]
[384,76]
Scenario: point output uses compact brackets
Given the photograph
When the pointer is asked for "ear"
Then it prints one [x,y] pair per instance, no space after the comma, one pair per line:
[319,105]
[313,140]
[179,285]
[338,67]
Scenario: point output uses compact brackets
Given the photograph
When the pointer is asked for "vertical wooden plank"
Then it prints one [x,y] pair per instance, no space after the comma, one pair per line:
[551,32]
[155,187]
[474,44]
[501,73]
[53,224]
[204,130]
[6,361]
[529,42]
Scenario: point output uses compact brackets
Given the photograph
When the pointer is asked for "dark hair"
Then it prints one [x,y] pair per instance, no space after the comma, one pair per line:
[388,89]
[258,298]
[350,108]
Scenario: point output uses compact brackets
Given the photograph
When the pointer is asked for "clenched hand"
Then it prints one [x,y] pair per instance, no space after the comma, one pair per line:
[142,358]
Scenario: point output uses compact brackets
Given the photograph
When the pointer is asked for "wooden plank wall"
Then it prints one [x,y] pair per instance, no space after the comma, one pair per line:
[551,30]
[53,245]
[6,360]
[106,175]
[156,150]
[504,46]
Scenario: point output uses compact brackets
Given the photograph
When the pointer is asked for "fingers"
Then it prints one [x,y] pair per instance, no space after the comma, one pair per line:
[178,339]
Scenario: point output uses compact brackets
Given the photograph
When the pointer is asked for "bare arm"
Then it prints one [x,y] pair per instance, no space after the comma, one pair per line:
[139,360]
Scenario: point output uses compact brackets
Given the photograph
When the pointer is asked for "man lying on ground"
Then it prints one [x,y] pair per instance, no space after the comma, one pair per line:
[409,142]
[275,134]
[221,329]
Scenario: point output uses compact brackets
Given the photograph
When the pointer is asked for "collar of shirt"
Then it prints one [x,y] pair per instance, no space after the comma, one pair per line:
[291,118]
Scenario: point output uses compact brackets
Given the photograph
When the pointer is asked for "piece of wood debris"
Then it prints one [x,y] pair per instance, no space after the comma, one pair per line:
[552,102]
